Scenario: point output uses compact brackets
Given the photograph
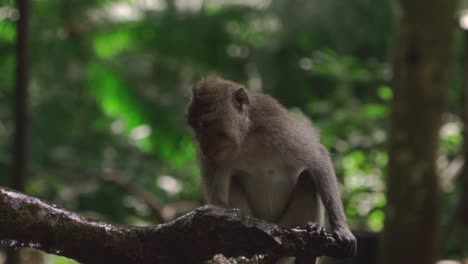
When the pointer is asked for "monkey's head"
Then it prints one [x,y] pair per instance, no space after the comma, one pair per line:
[218,113]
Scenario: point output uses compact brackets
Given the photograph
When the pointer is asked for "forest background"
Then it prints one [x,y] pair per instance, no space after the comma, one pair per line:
[110,80]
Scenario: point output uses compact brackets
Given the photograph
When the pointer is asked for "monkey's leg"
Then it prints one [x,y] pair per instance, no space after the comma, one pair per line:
[304,206]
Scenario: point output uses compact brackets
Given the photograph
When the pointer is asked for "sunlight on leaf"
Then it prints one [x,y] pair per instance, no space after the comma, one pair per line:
[108,45]
[140,132]
[114,97]
[169,184]
[375,111]
[376,220]
[136,119]
[119,102]
[352,163]
[7,31]
[381,159]
[385,93]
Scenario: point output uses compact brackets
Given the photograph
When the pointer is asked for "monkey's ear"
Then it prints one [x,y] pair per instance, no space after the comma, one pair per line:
[241,99]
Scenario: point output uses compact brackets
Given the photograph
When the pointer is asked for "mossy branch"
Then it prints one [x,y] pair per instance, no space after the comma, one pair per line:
[193,238]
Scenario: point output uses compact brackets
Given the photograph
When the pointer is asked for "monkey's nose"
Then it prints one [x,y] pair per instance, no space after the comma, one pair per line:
[210,150]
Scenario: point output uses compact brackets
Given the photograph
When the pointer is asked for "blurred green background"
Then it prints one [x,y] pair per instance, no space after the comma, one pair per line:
[110,81]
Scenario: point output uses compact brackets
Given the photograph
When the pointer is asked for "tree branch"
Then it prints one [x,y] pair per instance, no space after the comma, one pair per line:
[193,238]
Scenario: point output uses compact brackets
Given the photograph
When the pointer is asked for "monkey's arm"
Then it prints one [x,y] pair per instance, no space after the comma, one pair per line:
[321,170]
[304,147]
[215,183]
[300,142]
[238,198]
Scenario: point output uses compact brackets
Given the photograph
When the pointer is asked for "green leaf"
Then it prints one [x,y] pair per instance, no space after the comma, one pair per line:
[375,111]
[7,32]
[385,93]
[110,44]
[376,220]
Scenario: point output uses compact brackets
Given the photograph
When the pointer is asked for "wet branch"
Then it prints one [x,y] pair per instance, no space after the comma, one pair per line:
[193,238]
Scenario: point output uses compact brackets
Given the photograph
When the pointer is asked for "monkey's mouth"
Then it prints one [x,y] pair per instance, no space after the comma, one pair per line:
[213,151]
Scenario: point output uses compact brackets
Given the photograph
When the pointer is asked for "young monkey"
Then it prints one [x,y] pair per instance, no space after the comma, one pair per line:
[256,157]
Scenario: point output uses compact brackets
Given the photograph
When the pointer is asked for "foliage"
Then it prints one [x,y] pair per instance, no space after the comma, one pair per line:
[110,81]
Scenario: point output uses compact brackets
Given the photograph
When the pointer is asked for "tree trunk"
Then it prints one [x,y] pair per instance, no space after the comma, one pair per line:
[463,208]
[421,65]
[21,136]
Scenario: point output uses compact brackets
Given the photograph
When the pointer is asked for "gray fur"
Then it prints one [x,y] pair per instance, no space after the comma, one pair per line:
[270,165]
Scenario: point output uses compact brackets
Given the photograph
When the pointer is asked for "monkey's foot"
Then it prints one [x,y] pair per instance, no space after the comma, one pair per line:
[317,231]
[346,240]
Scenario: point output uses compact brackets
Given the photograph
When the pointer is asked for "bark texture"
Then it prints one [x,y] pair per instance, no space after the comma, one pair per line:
[463,208]
[21,137]
[20,164]
[421,65]
[193,238]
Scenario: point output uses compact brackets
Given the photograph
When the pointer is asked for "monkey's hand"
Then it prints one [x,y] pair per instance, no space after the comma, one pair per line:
[346,239]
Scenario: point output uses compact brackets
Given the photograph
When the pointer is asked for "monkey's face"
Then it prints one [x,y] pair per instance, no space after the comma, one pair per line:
[215,141]
[218,115]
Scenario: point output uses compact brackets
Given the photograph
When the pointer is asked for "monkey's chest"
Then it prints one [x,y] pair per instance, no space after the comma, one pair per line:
[268,182]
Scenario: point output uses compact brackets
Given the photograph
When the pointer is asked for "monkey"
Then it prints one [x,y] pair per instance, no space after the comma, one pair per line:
[255,156]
